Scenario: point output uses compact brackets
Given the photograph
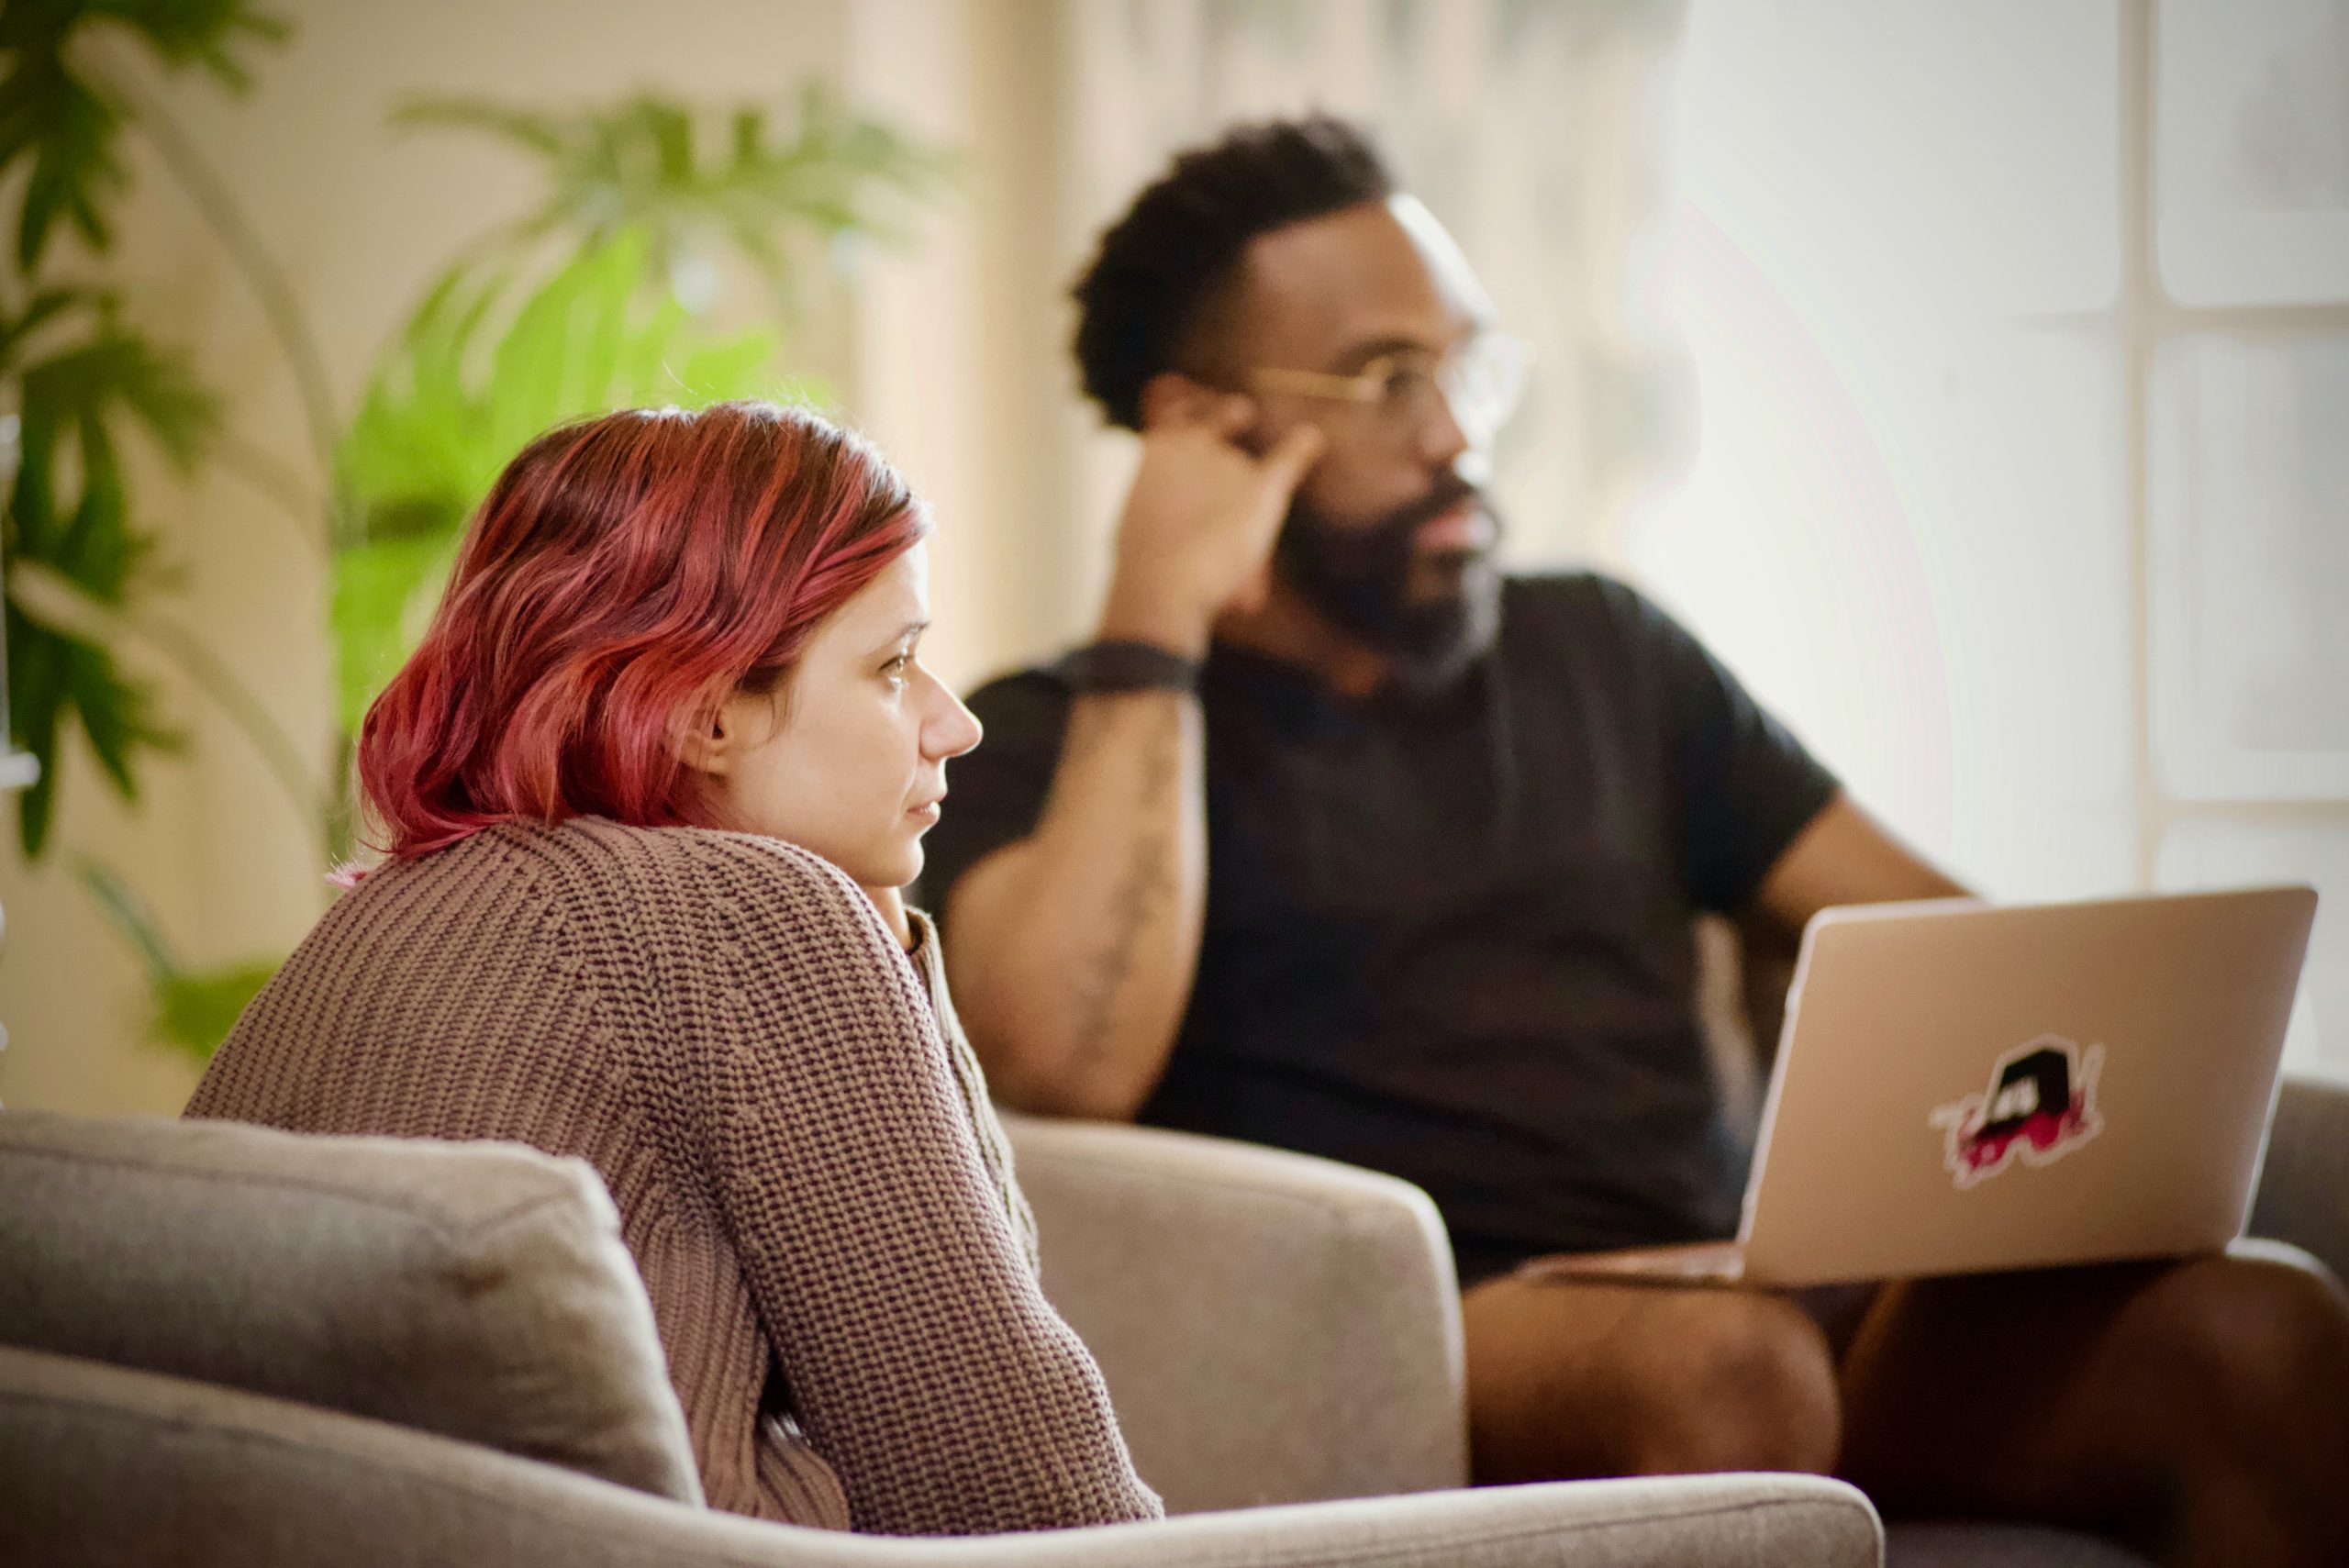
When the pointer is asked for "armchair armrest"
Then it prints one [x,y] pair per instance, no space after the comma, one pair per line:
[1273,1328]
[105,1467]
[2303,1194]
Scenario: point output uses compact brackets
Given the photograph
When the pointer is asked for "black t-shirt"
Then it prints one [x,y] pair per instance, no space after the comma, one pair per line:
[1451,937]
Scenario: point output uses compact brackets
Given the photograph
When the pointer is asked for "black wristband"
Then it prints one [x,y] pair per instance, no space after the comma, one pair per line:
[1115,666]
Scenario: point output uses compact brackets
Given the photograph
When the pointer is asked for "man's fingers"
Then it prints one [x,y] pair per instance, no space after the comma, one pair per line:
[1193,408]
[1293,454]
[1253,590]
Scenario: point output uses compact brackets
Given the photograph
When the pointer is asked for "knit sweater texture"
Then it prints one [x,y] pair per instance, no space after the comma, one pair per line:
[798,1140]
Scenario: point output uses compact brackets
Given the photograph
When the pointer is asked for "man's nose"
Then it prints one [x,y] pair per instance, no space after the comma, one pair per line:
[1444,436]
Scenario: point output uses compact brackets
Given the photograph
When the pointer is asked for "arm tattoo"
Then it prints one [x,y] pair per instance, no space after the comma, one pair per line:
[1144,888]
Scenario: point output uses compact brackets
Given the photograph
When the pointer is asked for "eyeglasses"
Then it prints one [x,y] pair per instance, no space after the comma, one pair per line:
[1478,383]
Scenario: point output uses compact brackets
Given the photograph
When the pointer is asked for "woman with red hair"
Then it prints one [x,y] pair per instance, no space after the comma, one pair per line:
[648,790]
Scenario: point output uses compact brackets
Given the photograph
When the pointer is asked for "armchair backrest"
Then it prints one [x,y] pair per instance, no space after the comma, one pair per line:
[479,1291]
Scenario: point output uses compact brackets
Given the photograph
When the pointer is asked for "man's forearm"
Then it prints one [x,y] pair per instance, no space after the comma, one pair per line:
[1073,949]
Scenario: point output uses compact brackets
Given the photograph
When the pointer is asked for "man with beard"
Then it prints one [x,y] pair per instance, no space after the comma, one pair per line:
[1339,839]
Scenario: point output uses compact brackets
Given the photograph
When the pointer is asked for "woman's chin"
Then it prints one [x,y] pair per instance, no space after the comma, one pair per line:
[894,869]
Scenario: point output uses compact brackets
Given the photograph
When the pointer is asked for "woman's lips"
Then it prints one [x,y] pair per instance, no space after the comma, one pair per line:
[928,812]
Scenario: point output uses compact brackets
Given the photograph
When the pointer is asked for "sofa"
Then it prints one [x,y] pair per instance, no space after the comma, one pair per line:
[213,1350]
[226,1345]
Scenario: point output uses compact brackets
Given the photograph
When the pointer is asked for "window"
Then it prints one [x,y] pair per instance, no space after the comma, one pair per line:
[2020,332]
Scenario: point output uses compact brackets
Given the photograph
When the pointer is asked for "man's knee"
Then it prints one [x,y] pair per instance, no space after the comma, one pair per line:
[1574,1381]
[1740,1382]
[2253,1346]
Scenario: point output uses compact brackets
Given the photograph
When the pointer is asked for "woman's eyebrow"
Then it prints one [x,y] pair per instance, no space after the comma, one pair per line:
[911,628]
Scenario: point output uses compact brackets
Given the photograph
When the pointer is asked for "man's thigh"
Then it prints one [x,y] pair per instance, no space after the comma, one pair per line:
[2089,1393]
[2173,1404]
[1571,1378]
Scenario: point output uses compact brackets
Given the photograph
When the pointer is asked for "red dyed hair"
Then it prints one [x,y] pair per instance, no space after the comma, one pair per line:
[624,574]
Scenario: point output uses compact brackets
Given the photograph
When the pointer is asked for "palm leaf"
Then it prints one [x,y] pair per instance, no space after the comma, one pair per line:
[644,164]
[380,590]
[66,129]
[37,700]
[193,1009]
[46,306]
[68,133]
[114,374]
[55,678]
[69,511]
[117,717]
[482,369]
[201,33]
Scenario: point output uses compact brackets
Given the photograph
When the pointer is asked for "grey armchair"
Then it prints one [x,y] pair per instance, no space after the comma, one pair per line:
[1278,1328]
[222,1345]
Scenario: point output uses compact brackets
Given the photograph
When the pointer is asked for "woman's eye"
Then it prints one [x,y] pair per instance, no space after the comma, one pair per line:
[895,668]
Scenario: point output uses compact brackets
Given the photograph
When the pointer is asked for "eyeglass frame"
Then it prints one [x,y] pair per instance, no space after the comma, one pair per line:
[1370,387]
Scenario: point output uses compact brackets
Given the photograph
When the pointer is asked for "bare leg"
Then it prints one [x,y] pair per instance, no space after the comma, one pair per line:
[2197,1410]
[1570,1378]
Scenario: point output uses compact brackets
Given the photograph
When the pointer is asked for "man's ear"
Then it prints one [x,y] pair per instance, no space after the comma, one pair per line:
[1170,397]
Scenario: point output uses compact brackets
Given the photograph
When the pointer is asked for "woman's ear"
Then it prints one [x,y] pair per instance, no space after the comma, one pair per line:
[707,738]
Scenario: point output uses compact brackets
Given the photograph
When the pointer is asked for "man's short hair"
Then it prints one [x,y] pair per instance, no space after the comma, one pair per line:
[1163,264]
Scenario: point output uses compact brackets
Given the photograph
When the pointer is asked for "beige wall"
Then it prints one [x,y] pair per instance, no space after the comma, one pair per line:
[361,217]
[963,370]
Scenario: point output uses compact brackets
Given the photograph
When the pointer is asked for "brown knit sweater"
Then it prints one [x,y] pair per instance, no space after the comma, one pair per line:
[799,1144]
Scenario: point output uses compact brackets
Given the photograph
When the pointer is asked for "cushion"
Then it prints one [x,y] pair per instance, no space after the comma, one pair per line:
[477,1290]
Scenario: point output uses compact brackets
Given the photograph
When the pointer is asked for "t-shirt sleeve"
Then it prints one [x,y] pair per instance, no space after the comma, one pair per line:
[1742,787]
[995,795]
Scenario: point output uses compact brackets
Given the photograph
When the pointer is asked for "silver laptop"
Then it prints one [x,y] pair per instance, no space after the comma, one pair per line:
[1962,1087]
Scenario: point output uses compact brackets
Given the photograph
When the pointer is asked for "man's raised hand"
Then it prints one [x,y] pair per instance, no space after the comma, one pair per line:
[1196,535]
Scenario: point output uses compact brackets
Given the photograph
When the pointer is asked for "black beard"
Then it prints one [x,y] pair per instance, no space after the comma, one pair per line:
[1360,578]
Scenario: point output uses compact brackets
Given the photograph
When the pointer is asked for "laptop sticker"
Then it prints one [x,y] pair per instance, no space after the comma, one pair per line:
[2041,1105]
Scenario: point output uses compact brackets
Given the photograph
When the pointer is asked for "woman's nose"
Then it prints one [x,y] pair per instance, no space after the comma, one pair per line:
[953,730]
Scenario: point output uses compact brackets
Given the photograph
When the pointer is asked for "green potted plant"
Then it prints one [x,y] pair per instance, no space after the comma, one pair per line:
[601,295]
